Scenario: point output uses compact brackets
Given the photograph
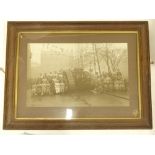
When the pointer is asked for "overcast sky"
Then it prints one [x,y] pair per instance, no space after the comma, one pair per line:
[68,48]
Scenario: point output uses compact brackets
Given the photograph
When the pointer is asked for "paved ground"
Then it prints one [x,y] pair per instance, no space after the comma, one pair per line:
[79,99]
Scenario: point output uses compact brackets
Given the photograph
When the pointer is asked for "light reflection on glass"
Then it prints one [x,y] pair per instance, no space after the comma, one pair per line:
[69,114]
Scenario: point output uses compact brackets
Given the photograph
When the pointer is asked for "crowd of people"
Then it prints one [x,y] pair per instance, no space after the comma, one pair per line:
[57,82]
[49,84]
[114,81]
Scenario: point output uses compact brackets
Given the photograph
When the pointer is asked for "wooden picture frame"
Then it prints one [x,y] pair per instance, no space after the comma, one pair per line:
[96,75]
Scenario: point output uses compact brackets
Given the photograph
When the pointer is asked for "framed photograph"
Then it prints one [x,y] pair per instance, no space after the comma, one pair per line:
[77,75]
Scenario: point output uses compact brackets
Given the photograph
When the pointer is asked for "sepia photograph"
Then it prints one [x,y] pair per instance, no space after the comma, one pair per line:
[77,74]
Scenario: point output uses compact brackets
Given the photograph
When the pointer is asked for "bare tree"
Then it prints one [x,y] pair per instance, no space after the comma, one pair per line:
[112,56]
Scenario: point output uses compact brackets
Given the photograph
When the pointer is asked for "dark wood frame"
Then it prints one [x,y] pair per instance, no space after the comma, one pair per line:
[12,30]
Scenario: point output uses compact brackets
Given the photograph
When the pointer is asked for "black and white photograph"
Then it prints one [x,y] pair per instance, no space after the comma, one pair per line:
[77,74]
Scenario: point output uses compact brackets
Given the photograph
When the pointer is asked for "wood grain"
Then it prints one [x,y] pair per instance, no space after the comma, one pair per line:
[13,28]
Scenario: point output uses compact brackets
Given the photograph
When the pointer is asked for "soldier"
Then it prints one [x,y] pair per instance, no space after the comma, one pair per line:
[62,86]
[34,93]
[57,86]
[43,85]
